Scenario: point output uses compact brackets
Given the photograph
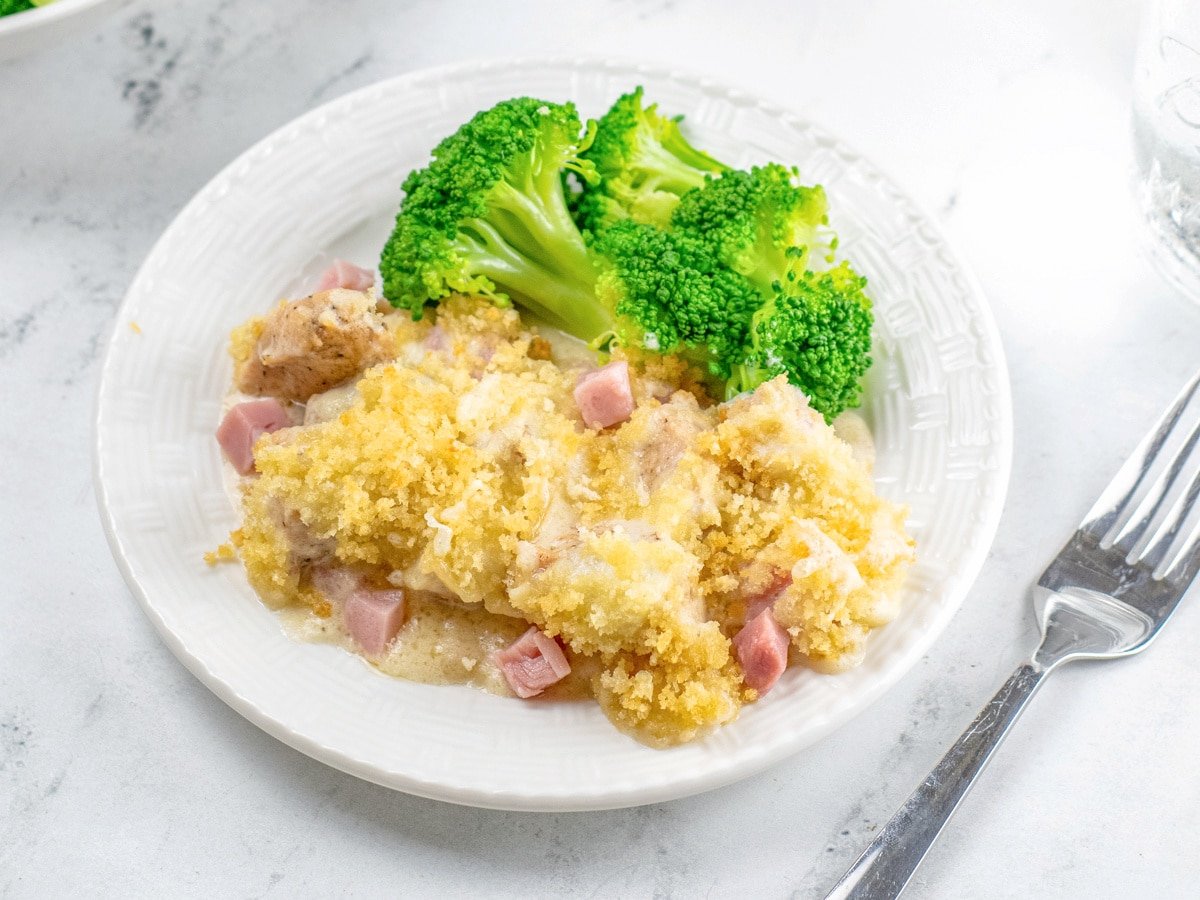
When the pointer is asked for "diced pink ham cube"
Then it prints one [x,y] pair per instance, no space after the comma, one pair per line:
[762,649]
[244,424]
[342,274]
[373,617]
[604,397]
[532,663]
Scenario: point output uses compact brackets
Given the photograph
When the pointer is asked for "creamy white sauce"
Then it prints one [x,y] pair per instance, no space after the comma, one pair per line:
[441,642]
[331,404]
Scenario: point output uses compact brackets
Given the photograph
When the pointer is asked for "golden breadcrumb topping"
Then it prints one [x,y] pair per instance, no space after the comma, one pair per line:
[223,553]
[463,468]
[244,338]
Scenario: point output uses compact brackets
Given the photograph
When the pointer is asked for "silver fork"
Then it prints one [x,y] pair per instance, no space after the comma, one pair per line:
[1106,595]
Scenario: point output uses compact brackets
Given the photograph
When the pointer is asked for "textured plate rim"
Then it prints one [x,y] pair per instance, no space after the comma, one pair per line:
[742,766]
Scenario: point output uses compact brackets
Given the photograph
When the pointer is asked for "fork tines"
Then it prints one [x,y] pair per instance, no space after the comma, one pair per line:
[1149,510]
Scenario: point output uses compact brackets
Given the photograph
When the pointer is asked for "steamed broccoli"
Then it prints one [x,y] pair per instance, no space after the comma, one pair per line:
[8,7]
[488,216]
[644,164]
[672,295]
[761,223]
[813,326]
[816,329]
[725,280]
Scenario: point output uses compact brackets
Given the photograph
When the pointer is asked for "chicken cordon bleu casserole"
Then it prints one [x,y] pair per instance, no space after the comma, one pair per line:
[592,438]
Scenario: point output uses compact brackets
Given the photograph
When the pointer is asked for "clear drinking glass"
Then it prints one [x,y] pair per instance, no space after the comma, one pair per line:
[1166,130]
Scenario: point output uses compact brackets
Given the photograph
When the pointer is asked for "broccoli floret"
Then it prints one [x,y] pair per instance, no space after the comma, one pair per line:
[8,7]
[644,164]
[813,326]
[489,216]
[761,223]
[728,284]
[671,295]
[816,329]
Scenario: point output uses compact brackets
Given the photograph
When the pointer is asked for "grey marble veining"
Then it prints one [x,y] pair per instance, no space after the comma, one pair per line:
[120,775]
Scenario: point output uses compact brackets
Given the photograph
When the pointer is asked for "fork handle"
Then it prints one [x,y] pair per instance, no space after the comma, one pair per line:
[885,867]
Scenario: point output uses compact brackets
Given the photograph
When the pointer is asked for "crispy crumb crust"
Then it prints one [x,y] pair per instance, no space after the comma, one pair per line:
[635,545]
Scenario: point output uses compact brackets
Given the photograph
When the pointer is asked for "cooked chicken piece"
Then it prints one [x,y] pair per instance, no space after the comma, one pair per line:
[669,433]
[307,548]
[557,534]
[308,346]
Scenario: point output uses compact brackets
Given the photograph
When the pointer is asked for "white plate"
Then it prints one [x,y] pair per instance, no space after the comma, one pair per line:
[328,184]
[24,32]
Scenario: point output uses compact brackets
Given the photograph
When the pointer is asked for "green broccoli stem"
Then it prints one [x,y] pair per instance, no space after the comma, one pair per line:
[744,377]
[709,366]
[675,143]
[563,295]
[569,306]
[670,173]
[559,282]
[542,228]
[764,270]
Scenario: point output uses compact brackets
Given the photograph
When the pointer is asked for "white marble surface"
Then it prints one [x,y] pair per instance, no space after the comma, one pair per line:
[121,776]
